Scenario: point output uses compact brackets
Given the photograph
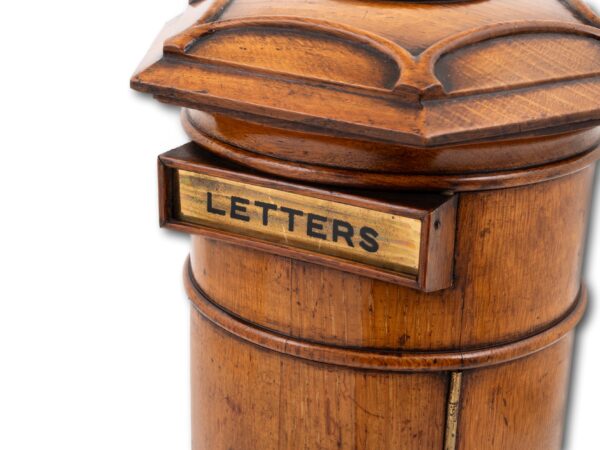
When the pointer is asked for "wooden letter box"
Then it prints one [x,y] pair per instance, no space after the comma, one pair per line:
[388,203]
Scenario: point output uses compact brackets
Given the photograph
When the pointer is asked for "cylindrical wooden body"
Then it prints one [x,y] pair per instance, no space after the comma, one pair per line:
[441,156]
[292,355]
[446,150]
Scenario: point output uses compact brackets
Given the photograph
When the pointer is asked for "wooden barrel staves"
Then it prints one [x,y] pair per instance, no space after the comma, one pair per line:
[388,203]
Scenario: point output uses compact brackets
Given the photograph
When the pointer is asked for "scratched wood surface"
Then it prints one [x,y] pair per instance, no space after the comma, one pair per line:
[517,274]
[285,403]
[518,406]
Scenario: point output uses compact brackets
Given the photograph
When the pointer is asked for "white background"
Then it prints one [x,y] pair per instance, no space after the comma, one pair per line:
[93,318]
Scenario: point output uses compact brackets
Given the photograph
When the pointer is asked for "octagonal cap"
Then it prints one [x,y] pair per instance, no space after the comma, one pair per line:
[409,73]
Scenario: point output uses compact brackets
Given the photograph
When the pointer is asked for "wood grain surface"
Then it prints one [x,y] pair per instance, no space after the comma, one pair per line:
[410,73]
[510,289]
[583,148]
[517,271]
[285,403]
[518,406]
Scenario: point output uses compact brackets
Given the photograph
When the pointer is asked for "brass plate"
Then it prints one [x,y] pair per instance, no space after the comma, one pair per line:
[453,410]
[350,232]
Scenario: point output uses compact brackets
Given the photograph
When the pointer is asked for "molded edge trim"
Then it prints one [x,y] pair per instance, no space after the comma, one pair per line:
[381,361]
[429,58]
[365,179]
[583,11]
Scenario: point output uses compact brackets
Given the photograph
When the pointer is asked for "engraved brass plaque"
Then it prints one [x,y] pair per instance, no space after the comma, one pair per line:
[326,227]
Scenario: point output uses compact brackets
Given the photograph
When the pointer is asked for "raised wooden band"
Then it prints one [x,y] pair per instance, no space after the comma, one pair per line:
[462,182]
[281,141]
[384,361]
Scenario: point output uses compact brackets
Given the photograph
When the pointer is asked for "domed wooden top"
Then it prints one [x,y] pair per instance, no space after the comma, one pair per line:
[416,74]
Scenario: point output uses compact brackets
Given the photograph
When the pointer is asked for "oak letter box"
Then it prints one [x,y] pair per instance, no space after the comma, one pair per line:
[388,203]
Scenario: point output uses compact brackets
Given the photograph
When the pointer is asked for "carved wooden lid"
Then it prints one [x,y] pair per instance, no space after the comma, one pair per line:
[417,74]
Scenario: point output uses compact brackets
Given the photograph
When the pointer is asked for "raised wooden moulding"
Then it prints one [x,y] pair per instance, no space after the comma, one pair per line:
[403,238]
[414,73]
